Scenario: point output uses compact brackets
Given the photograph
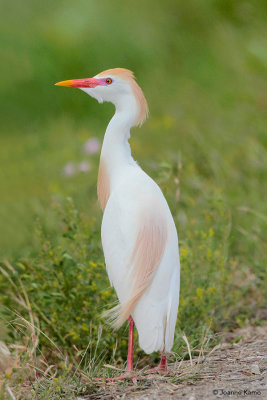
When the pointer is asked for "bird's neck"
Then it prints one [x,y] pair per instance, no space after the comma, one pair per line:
[115,158]
[116,151]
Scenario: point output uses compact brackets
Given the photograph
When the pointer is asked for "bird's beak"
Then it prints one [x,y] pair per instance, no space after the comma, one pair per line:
[80,83]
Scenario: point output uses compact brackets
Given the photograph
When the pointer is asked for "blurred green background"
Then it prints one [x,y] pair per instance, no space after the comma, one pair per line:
[203,68]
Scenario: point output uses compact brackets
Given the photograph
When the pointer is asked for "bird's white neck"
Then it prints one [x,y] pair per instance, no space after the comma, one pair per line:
[116,151]
[116,158]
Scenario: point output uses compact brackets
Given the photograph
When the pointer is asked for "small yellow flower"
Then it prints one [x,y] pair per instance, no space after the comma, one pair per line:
[55,379]
[183,252]
[211,232]
[209,254]
[199,292]
[212,290]
[85,327]
[62,365]
[92,264]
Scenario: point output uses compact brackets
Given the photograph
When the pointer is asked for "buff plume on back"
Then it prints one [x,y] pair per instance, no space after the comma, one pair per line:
[146,255]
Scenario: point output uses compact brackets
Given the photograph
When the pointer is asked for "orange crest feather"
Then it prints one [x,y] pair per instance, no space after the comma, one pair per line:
[137,91]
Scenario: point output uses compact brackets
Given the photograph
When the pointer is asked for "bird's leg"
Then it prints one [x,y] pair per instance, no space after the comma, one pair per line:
[163,362]
[162,367]
[129,370]
[130,345]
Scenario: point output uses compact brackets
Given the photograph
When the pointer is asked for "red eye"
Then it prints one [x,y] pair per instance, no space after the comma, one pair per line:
[108,81]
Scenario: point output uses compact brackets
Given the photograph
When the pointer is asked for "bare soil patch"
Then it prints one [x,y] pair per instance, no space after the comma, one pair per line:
[231,370]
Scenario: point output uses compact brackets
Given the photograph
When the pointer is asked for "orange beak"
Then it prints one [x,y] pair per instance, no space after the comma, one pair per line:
[80,83]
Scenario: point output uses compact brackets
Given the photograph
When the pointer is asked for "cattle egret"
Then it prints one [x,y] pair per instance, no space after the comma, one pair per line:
[138,233]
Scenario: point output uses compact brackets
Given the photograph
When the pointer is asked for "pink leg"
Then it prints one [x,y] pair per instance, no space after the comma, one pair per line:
[162,367]
[130,345]
[163,362]
[129,369]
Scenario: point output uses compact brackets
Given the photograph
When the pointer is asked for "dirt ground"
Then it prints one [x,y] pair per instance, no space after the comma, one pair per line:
[230,370]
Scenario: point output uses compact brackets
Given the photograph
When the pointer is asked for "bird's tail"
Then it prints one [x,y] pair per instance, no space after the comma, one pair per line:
[148,251]
[117,315]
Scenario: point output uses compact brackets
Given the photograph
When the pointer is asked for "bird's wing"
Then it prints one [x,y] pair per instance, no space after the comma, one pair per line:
[146,255]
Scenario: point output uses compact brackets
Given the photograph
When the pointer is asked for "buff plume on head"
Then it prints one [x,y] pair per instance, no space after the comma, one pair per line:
[137,91]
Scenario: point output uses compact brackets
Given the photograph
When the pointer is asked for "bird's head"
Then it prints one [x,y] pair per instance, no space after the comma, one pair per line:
[117,86]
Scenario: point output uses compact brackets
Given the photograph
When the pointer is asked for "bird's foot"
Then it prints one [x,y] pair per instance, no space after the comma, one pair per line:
[129,375]
[157,370]
[162,367]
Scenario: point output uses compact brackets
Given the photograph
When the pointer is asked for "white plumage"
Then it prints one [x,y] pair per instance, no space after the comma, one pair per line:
[135,199]
[138,232]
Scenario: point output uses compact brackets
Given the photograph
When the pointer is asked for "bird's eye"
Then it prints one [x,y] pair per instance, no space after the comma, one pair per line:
[108,81]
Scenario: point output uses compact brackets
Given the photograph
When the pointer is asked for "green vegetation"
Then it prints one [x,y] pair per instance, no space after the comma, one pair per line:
[203,68]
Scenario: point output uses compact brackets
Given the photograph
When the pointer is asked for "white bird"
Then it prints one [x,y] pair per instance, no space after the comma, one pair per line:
[138,233]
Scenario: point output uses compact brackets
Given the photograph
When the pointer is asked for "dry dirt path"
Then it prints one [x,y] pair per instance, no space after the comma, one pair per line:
[232,371]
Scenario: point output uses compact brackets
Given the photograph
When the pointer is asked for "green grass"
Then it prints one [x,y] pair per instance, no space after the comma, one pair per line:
[203,68]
